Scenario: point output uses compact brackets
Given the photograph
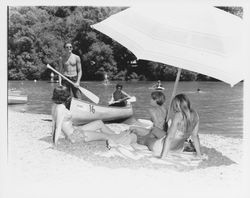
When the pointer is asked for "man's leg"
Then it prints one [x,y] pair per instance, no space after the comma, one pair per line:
[75,91]
[66,84]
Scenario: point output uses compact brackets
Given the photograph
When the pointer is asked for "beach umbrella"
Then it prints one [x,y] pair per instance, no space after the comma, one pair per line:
[202,39]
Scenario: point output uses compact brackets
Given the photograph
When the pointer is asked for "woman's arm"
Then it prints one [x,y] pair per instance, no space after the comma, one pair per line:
[58,117]
[53,119]
[171,134]
[196,140]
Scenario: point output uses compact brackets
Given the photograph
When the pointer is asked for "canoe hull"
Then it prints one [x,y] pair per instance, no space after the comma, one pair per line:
[159,88]
[84,112]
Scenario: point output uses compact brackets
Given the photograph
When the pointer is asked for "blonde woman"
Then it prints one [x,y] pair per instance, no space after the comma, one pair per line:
[184,125]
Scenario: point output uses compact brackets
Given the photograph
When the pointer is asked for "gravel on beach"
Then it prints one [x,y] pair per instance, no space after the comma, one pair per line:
[38,169]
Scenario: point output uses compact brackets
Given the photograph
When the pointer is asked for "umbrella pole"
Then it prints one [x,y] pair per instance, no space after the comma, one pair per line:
[173,94]
[174,90]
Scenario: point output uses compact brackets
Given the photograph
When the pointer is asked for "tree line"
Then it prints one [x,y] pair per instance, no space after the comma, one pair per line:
[36,36]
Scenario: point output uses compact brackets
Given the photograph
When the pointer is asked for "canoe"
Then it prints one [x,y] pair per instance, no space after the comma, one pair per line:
[17,99]
[157,88]
[84,112]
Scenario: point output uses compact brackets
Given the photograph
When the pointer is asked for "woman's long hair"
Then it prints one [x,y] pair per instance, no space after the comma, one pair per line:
[61,95]
[181,103]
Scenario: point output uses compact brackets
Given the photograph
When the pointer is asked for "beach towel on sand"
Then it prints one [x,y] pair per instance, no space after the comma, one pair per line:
[136,152]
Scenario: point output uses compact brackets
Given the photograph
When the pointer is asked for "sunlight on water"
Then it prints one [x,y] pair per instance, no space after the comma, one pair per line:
[220,107]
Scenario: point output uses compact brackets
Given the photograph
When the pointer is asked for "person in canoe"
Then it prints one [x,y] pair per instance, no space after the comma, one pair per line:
[158,86]
[119,97]
[70,66]
[96,130]
[184,124]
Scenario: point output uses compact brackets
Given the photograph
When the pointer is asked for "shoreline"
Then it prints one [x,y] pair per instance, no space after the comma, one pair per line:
[33,159]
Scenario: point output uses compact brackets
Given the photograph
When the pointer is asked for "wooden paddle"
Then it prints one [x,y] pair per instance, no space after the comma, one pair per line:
[86,92]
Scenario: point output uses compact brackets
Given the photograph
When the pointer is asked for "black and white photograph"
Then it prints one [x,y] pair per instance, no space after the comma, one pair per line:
[124,99]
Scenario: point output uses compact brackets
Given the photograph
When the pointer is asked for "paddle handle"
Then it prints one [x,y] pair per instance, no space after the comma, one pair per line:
[86,92]
[64,77]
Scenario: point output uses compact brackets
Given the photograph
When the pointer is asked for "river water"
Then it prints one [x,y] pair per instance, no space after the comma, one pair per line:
[220,107]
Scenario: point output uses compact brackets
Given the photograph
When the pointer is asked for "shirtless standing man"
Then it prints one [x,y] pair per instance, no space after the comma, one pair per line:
[70,66]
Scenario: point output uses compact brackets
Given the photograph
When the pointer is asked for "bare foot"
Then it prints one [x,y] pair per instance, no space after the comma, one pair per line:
[110,143]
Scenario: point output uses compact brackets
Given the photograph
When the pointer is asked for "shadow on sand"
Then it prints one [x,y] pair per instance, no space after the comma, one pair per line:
[87,151]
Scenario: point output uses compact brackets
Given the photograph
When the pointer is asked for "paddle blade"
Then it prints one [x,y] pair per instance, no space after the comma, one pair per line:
[86,92]
[132,99]
[90,95]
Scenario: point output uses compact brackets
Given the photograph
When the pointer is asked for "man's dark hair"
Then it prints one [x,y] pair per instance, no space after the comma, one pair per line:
[118,86]
[64,45]
[60,95]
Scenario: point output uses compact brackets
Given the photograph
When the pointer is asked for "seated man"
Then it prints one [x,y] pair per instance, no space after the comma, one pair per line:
[119,97]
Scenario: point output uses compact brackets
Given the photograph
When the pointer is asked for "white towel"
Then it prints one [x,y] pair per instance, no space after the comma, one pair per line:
[173,159]
[136,152]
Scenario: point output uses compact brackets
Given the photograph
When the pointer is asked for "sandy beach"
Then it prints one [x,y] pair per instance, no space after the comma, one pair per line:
[38,169]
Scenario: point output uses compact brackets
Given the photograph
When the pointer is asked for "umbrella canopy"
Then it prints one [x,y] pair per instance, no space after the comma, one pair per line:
[197,38]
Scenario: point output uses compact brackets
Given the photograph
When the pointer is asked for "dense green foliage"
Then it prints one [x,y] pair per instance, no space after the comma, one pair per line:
[36,36]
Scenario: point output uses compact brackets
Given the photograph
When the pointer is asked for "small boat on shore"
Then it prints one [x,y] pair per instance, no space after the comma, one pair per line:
[84,112]
[17,98]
